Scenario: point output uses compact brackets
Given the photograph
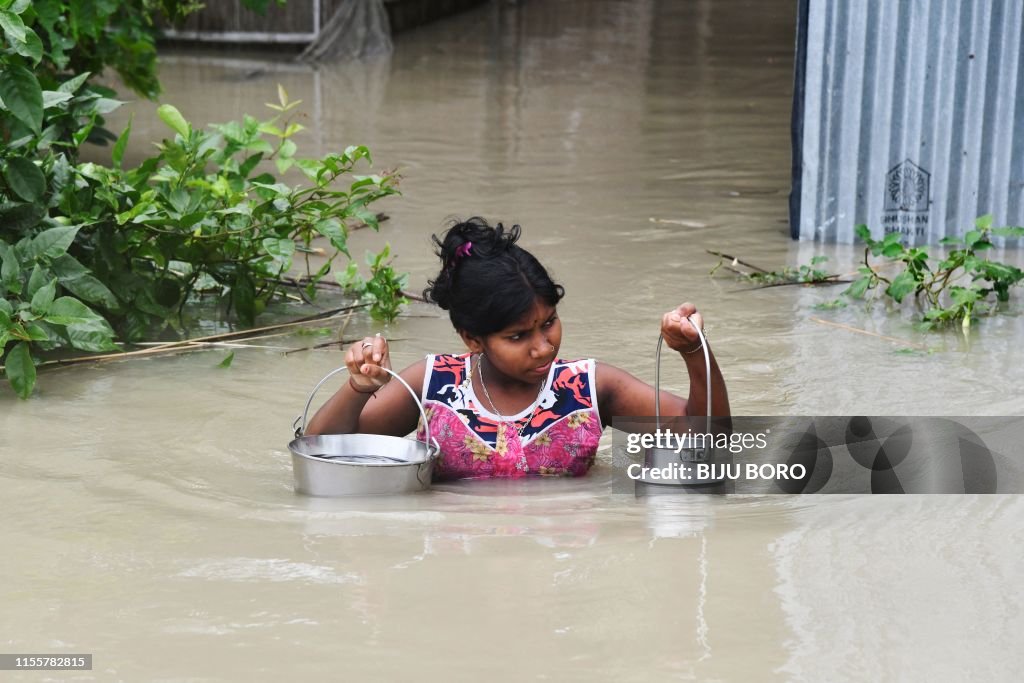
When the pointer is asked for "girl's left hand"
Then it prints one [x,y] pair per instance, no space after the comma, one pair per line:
[679,334]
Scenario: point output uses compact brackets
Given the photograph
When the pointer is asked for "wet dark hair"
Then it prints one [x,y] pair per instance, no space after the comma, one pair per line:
[489,285]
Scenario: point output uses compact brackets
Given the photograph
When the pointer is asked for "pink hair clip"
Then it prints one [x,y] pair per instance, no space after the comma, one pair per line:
[460,253]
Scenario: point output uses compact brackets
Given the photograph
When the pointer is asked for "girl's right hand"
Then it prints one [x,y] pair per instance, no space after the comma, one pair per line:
[364,361]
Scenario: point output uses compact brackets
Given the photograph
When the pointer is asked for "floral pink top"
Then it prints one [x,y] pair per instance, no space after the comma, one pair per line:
[560,431]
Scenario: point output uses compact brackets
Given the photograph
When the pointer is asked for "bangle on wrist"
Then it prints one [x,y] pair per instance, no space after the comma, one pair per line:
[361,391]
[699,347]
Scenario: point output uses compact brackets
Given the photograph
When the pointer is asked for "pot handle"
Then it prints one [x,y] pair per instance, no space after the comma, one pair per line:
[431,443]
[657,376]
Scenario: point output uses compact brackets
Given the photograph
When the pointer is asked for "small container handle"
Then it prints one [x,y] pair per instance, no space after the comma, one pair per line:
[657,375]
[431,443]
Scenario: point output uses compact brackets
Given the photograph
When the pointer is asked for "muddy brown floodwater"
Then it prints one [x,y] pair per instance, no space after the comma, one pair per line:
[148,509]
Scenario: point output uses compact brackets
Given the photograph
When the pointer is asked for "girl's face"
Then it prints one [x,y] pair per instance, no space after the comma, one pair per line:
[525,350]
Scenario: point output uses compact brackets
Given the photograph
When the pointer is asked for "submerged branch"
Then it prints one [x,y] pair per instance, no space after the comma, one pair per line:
[830,280]
[185,345]
[736,260]
[858,330]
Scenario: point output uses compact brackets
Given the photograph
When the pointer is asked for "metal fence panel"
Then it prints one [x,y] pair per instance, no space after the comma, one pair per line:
[909,118]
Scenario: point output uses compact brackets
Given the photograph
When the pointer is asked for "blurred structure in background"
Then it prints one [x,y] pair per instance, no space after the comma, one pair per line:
[323,29]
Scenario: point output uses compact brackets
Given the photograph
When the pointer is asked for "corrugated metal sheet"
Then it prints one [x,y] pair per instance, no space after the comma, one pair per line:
[912,117]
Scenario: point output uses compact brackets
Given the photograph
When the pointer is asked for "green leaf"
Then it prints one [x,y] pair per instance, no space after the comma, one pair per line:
[249,164]
[283,164]
[892,249]
[281,249]
[117,155]
[91,337]
[5,307]
[174,120]
[20,370]
[964,295]
[105,105]
[859,288]
[66,267]
[20,217]
[22,95]
[10,272]
[269,128]
[70,311]
[52,98]
[43,298]
[368,217]
[13,27]
[287,149]
[1009,232]
[226,363]
[999,271]
[863,233]
[36,281]
[333,230]
[25,179]
[902,284]
[88,288]
[350,280]
[983,222]
[31,48]
[53,242]
[971,237]
[72,85]
[23,39]
[36,333]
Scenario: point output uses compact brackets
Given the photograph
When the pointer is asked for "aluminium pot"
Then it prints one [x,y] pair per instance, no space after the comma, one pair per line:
[361,464]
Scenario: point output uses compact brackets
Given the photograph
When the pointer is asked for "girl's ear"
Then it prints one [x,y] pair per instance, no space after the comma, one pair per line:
[474,344]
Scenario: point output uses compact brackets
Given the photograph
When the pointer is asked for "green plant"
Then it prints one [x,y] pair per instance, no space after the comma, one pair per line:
[88,249]
[384,288]
[956,289]
[802,274]
[202,214]
[32,273]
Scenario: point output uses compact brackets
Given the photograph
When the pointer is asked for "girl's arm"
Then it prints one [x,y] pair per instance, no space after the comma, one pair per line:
[621,394]
[368,403]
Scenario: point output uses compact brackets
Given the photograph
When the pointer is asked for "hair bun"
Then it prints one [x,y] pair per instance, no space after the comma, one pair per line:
[486,280]
[486,240]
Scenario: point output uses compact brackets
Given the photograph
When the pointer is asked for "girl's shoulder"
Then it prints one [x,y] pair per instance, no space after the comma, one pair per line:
[446,368]
[446,362]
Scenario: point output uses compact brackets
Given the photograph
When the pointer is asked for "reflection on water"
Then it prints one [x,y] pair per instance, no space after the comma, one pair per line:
[148,509]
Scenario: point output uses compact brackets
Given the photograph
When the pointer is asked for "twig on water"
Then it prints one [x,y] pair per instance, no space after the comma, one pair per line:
[185,345]
[858,330]
[333,342]
[830,280]
[735,260]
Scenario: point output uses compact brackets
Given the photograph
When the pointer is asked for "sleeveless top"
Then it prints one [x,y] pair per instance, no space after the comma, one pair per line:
[560,430]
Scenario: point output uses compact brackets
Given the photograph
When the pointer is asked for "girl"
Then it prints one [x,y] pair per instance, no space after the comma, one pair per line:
[510,406]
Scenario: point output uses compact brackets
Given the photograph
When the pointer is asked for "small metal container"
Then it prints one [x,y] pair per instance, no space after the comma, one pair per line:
[680,468]
[361,464]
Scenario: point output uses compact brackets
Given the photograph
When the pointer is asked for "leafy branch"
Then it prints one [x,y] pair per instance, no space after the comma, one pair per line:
[956,289]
